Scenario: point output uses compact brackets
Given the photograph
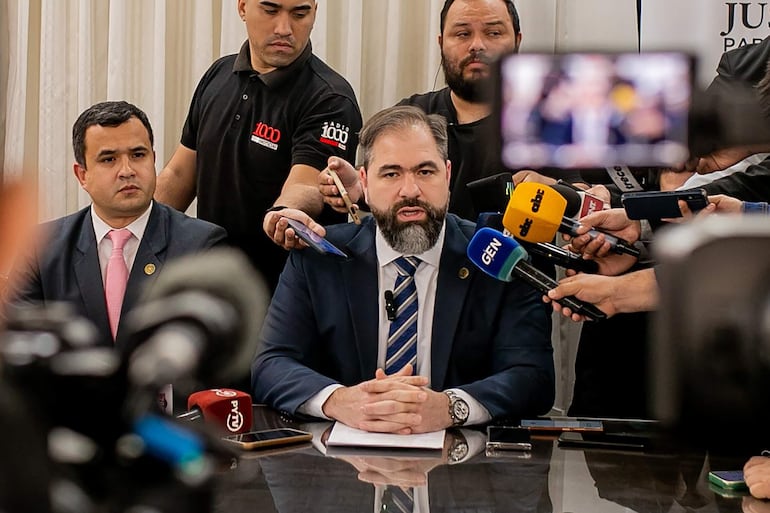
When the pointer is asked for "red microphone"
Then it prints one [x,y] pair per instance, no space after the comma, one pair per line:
[225,408]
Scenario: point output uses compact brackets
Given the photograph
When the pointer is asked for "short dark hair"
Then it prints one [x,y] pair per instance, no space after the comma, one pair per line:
[105,114]
[402,116]
[508,5]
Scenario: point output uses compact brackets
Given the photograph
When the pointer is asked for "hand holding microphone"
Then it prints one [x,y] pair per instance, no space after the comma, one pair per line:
[536,212]
[502,258]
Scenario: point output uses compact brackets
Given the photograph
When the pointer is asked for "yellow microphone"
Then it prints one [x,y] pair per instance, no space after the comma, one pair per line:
[535,213]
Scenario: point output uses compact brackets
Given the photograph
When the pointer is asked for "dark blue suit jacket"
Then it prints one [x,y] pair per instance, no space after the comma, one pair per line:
[490,338]
[67,269]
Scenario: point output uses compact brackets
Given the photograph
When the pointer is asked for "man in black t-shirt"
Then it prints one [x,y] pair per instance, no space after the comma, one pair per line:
[261,126]
[473,34]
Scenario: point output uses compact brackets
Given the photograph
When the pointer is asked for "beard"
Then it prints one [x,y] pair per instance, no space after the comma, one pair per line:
[474,90]
[413,237]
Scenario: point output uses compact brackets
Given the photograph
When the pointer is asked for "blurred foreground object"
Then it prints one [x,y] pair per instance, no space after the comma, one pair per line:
[711,341]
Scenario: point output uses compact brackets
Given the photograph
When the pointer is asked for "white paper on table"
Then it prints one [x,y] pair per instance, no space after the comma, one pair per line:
[343,435]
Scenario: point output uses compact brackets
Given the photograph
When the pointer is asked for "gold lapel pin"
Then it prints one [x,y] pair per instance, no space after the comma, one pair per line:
[463,273]
[149,269]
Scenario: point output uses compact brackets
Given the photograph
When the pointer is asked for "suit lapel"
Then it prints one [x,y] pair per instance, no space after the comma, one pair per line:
[89,276]
[361,280]
[149,260]
[454,277]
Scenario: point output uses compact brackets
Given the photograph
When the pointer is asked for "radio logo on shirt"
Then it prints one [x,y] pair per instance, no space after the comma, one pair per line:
[266,136]
[335,134]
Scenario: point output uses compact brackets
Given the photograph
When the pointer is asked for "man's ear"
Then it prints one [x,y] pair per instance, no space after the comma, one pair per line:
[448,171]
[364,184]
[80,174]
[440,42]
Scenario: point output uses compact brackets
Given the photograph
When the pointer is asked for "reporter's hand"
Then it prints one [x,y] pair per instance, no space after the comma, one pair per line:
[386,404]
[601,192]
[756,473]
[349,178]
[591,288]
[632,292]
[277,227]
[532,176]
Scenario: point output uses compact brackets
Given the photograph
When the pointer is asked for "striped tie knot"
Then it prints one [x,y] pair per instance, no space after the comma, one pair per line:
[407,265]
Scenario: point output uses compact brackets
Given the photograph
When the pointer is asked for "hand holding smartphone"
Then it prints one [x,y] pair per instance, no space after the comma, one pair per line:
[269,438]
[314,240]
[662,204]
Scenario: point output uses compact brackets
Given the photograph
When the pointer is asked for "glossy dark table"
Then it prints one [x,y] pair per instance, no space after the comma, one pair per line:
[547,479]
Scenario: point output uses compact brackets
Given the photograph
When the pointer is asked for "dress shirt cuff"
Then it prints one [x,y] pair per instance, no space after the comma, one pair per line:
[477,413]
[314,405]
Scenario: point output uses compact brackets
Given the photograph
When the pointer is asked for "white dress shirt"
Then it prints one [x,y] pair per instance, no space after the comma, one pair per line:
[104,244]
[426,281]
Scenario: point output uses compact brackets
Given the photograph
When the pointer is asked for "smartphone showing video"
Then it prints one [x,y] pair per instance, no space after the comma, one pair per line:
[662,204]
[593,109]
[314,240]
[269,438]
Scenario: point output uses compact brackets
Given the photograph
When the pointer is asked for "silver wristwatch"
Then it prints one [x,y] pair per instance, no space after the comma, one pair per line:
[458,408]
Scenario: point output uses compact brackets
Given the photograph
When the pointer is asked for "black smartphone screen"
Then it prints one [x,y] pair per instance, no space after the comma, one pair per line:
[269,434]
[508,438]
[662,204]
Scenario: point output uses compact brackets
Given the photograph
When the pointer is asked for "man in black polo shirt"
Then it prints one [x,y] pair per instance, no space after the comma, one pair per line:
[261,126]
[473,34]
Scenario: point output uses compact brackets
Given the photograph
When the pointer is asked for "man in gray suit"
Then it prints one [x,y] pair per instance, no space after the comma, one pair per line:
[115,165]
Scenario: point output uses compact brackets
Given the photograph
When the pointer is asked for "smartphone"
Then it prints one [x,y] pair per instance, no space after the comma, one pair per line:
[662,204]
[557,425]
[314,240]
[617,441]
[728,479]
[620,117]
[269,438]
[508,439]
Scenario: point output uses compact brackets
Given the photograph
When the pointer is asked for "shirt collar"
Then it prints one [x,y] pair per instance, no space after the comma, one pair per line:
[276,77]
[137,226]
[386,254]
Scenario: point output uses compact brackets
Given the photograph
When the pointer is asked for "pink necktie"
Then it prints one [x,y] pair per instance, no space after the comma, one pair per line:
[116,277]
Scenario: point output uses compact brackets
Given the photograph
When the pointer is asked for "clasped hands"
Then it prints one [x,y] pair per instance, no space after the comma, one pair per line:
[397,403]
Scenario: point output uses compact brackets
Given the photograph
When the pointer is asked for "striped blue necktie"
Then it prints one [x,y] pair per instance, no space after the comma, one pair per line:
[397,500]
[402,335]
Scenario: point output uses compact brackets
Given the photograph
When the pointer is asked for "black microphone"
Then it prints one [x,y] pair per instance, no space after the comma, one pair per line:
[550,252]
[561,257]
[390,305]
[200,319]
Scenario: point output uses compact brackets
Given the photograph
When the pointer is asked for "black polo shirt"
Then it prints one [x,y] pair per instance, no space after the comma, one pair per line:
[249,129]
[474,150]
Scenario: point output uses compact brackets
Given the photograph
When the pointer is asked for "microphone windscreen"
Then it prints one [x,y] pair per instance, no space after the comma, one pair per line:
[573,198]
[228,409]
[494,253]
[491,193]
[534,213]
[222,274]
